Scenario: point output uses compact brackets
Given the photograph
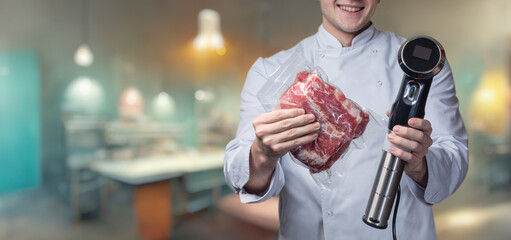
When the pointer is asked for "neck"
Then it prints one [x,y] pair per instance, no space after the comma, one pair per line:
[345,38]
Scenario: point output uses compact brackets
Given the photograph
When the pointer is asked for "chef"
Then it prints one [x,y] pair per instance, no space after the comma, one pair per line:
[361,61]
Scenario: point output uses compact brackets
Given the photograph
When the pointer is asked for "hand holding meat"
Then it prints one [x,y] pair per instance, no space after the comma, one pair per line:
[277,132]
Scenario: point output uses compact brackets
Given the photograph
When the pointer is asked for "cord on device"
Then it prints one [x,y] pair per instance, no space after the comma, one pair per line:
[398,195]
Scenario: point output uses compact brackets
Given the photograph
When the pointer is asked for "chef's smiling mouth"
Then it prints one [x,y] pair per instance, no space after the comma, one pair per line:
[351,9]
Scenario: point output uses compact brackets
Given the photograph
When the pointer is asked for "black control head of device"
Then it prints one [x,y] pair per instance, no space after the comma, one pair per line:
[421,57]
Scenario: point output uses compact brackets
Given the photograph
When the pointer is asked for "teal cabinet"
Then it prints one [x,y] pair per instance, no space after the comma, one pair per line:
[19,121]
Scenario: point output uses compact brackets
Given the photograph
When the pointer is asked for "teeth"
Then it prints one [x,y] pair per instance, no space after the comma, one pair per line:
[351,9]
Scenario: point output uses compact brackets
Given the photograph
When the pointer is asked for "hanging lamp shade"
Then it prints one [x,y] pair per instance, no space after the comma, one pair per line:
[163,106]
[84,96]
[131,104]
[209,36]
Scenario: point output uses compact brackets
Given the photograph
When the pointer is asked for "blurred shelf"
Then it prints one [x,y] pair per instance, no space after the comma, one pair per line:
[132,133]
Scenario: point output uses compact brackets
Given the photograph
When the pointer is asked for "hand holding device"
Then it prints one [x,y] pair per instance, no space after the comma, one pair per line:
[420,58]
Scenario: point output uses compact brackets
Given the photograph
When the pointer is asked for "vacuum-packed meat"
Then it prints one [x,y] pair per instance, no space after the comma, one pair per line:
[340,118]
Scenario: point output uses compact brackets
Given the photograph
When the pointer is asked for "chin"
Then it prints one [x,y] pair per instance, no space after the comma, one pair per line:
[350,29]
[353,28]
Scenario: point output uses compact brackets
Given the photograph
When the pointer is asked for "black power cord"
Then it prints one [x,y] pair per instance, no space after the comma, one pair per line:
[395,213]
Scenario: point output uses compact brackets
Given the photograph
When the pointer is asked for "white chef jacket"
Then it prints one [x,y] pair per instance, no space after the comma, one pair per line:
[368,73]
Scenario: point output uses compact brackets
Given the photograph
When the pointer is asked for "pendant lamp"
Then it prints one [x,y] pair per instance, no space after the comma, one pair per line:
[209,36]
[83,55]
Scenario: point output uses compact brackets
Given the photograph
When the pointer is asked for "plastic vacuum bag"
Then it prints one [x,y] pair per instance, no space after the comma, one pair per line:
[297,84]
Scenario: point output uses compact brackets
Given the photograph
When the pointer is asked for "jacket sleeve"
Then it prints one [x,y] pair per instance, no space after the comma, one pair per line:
[447,158]
[236,162]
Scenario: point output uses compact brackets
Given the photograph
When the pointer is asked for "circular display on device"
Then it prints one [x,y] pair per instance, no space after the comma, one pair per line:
[421,57]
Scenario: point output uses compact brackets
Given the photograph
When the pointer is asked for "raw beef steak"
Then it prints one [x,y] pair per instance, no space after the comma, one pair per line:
[340,118]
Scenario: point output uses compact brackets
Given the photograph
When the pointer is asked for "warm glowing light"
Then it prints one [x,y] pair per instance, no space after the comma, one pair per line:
[489,104]
[84,95]
[221,51]
[210,36]
[131,103]
[463,219]
[473,217]
[83,56]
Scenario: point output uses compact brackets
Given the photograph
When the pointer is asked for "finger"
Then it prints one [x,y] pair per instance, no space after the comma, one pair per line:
[279,115]
[406,143]
[288,145]
[284,125]
[388,113]
[400,153]
[296,132]
[421,124]
[413,134]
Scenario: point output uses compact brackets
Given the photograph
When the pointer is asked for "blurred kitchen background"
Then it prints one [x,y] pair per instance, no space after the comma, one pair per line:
[114,113]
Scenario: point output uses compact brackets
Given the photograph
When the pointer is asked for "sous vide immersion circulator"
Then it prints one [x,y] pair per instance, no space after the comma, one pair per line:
[420,58]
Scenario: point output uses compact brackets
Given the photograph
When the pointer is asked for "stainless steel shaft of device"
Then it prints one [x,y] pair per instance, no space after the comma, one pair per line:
[384,189]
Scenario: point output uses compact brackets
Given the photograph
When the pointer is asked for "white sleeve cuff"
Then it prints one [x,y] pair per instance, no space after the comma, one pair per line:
[416,189]
[276,184]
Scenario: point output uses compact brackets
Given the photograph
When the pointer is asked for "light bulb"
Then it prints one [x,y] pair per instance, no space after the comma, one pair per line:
[200,95]
[209,31]
[83,56]
[204,96]
[131,103]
